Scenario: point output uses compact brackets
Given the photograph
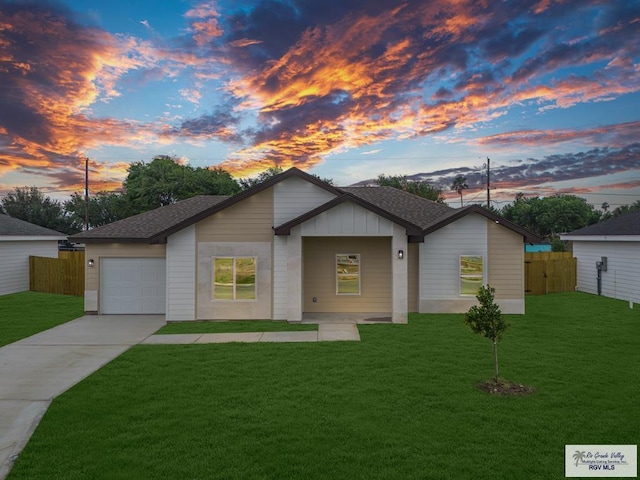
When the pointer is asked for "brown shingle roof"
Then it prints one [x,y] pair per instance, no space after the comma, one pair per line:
[458,213]
[153,226]
[628,224]
[414,209]
[285,228]
[418,215]
[156,225]
[10,226]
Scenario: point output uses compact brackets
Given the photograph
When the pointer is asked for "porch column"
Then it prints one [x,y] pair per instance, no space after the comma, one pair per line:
[294,275]
[399,275]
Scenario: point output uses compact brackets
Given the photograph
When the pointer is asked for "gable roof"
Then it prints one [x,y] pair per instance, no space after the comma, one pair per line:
[156,225]
[151,226]
[285,228]
[418,215]
[458,213]
[412,208]
[627,224]
[15,227]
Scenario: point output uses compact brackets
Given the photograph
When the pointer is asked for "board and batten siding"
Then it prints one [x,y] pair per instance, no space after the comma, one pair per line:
[440,264]
[95,251]
[294,196]
[622,278]
[291,198]
[14,262]
[181,275]
[505,260]
[250,220]
[347,219]
[320,275]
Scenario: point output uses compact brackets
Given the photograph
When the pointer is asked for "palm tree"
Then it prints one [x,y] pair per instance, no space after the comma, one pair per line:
[578,456]
[605,207]
[459,185]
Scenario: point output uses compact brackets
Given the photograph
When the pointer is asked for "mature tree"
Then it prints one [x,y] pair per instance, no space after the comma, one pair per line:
[269,173]
[247,183]
[624,209]
[486,320]
[418,187]
[164,181]
[460,185]
[605,207]
[550,216]
[31,205]
[104,208]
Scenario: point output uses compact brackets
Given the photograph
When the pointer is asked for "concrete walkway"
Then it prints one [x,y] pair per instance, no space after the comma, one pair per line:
[35,370]
[325,333]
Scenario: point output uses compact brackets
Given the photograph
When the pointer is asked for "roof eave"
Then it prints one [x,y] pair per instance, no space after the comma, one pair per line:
[285,228]
[161,236]
[527,236]
[600,238]
[31,238]
[149,241]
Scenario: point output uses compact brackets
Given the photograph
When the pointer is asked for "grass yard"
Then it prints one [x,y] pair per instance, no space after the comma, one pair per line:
[27,313]
[401,404]
[232,327]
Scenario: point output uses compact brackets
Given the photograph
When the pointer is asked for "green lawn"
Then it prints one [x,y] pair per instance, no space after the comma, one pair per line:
[401,404]
[235,326]
[27,313]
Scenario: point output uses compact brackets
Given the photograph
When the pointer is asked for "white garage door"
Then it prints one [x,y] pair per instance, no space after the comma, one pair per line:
[132,285]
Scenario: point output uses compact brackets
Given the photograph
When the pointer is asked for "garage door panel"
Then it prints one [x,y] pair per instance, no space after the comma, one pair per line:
[132,285]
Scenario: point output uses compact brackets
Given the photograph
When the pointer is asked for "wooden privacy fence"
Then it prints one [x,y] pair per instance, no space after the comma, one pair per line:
[64,274]
[549,272]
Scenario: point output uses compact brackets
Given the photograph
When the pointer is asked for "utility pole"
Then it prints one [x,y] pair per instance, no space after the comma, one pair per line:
[86,193]
[488,183]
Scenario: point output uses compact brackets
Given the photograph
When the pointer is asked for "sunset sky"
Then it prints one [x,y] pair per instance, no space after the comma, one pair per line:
[549,90]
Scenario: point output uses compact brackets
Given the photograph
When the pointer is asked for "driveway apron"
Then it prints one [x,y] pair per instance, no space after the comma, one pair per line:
[35,370]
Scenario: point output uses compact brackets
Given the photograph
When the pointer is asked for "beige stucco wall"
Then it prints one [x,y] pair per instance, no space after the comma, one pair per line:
[319,274]
[209,309]
[96,251]
[244,229]
[505,252]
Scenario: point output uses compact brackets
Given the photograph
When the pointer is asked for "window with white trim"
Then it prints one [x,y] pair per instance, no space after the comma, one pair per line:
[234,278]
[348,274]
[471,274]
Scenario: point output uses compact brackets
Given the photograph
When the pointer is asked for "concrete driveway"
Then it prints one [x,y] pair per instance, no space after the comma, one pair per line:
[35,370]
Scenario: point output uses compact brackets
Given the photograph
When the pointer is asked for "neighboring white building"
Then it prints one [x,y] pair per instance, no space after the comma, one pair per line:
[18,241]
[608,253]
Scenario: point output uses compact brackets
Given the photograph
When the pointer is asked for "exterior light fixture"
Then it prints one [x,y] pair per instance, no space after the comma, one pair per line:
[400,254]
[90,262]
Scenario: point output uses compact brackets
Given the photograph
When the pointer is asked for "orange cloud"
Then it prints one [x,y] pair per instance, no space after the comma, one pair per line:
[331,78]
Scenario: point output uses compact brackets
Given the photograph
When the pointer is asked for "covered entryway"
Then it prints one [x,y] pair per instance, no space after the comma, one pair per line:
[132,285]
[347,275]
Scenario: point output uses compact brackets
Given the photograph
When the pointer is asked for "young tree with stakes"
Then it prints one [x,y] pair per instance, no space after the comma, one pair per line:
[486,320]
